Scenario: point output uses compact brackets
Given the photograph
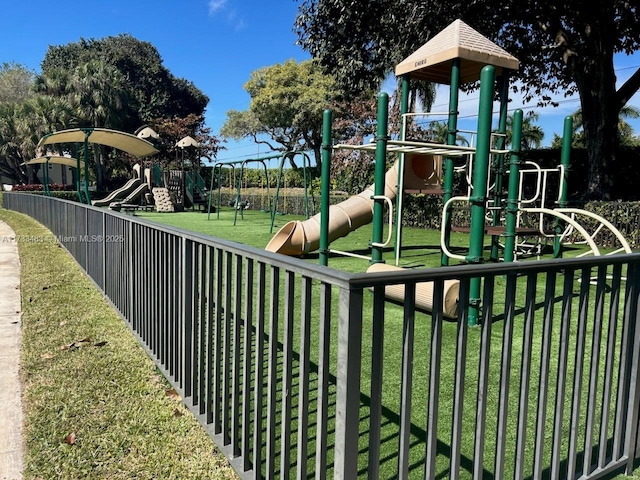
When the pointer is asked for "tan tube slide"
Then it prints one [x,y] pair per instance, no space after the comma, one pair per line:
[300,237]
[421,173]
[424,292]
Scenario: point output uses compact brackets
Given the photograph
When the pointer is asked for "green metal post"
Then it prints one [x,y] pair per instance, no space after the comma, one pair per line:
[326,179]
[478,200]
[86,166]
[448,161]
[378,189]
[512,195]
[565,160]
[404,108]
[77,172]
[46,178]
[499,163]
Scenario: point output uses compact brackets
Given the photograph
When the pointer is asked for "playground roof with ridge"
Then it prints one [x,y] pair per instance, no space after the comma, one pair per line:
[103,136]
[432,62]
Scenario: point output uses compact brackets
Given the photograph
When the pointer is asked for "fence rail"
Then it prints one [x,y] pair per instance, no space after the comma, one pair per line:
[298,370]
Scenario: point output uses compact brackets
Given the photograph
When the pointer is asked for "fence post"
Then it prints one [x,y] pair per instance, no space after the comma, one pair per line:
[633,370]
[348,383]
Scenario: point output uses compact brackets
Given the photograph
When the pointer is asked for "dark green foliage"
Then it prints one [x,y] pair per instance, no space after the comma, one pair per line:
[154,91]
[563,46]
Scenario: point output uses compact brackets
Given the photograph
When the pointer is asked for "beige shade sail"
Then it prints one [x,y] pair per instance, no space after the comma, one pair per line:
[57,160]
[433,61]
[122,141]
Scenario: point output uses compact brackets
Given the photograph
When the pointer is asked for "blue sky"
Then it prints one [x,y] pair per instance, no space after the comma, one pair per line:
[216,44]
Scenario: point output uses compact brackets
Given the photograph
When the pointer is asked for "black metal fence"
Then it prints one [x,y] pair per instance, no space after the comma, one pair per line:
[298,370]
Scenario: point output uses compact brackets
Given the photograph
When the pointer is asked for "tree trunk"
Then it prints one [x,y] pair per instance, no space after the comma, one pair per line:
[596,82]
[601,145]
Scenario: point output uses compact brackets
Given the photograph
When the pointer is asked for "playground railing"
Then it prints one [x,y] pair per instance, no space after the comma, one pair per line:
[305,371]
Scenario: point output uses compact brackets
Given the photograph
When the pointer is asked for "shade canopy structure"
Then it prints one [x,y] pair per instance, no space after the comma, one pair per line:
[147,132]
[56,160]
[432,62]
[187,142]
[126,142]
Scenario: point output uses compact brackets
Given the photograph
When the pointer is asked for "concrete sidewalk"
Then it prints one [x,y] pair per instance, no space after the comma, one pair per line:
[11,441]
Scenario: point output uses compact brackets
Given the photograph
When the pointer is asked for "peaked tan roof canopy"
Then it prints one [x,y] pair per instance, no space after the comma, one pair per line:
[54,159]
[122,141]
[433,61]
[187,142]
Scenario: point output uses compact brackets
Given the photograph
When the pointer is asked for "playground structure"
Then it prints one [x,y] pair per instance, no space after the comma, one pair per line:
[238,202]
[456,55]
[188,187]
[125,142]
[132,192]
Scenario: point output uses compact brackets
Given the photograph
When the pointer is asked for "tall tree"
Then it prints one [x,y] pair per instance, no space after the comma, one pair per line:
[563,45]
[154,92]
[15,82]
[285,112]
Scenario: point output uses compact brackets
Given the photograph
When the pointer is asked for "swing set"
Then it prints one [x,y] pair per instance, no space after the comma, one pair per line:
[238,180]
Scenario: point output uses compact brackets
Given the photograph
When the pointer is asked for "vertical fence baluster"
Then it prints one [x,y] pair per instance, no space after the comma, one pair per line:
[543,382]
[377,364]
[433,397]
[226,350]
[217,351]
[631,432]
[258,388]
[596,342]
[287,376]
[406,382]
[614,304]
[561,377]
[348,380]
[483,377]
[324,345]
[303,376]
[187,316]
[247,366]
[578,369]
[505,375]
[203,322]
[212,308]
[272,372]
[236,347]
[459,383]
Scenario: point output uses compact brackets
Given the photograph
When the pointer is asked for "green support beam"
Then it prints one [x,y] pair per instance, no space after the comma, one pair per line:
[448,161]
[325,187]
[478,200]
[378,191]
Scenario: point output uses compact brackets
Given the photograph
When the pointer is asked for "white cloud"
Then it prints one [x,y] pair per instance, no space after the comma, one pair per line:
[216,5]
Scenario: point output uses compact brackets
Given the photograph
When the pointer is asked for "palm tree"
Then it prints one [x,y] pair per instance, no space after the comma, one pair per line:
[531,136]
[626,135]
[98,94]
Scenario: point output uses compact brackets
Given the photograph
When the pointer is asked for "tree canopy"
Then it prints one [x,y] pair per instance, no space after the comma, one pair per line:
[563,46]
[116,82]
[151,90]
[285,111]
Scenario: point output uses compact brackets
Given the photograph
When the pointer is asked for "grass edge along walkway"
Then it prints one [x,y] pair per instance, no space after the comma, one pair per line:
[94,403]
